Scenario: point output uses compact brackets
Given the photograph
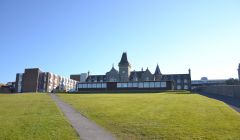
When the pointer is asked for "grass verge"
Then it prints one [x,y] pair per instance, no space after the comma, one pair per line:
[32,116]
[159,116]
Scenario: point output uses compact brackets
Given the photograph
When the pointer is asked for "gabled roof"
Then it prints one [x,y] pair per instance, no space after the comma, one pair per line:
[113,70]
[124,60]
[157,71]
[148,71]
[137,74]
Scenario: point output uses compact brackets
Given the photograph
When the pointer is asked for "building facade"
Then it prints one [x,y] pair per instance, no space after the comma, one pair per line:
[206,82]
[34,80]
[124,74]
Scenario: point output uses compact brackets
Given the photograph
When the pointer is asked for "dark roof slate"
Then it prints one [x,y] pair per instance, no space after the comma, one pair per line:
[114,70]
[124,60]
[139,74]
[157,71]
[96,77]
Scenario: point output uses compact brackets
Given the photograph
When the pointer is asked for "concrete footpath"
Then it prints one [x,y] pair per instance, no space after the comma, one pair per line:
[86,129]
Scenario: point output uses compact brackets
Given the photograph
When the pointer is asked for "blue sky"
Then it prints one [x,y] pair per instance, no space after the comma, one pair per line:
[70,37]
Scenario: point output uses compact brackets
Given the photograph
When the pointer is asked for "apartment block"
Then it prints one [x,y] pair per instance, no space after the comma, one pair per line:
[34,80]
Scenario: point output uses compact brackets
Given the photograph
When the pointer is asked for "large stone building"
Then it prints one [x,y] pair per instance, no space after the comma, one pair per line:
[34,80]
[124,74]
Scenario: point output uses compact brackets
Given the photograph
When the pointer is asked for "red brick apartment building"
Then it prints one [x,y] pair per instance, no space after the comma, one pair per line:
[34,80]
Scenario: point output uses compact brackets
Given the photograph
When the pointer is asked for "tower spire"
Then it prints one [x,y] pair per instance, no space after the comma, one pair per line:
[124,60]
[157,71]
[124,68]
[157,74]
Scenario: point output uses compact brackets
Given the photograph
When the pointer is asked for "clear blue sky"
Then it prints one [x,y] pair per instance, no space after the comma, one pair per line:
[74,36]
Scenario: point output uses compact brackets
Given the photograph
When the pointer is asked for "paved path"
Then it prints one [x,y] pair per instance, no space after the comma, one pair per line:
[86,129]
[232,102]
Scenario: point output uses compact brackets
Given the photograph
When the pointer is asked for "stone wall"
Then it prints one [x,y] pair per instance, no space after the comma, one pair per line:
[225,90]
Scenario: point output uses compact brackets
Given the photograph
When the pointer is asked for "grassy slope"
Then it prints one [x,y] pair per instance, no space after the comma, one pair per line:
[159,116]
[32,116]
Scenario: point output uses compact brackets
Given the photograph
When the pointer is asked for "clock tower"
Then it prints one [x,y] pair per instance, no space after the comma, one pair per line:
[124,68]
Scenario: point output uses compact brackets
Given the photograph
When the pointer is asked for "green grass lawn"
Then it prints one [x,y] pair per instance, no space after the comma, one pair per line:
[32,117]
[159,116]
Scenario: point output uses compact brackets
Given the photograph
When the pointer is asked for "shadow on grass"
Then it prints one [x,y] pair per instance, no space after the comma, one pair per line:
[232,102]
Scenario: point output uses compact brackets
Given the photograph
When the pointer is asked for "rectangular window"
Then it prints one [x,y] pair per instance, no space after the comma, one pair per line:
[84,85]
[119,85]
[157,84]
[89,85]
[152,85]
[163,84]
[146,85]
[135,84]
[94,86]
[140,85]
[130,84]
[124,85]
[80,86]
[99,85]
[104,85]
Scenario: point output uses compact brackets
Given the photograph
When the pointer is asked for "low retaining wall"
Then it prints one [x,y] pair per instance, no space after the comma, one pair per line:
[225,90]
[4,90]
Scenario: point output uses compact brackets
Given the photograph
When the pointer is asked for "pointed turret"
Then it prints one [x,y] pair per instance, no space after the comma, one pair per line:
[157,71]
[124,60]
[157,74]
